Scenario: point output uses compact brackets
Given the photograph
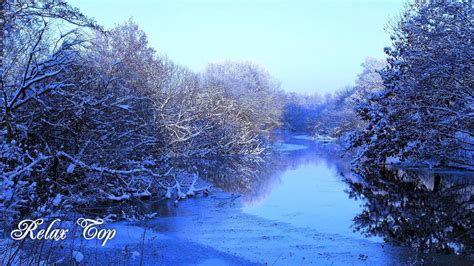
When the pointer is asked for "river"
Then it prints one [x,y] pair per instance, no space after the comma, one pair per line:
[299,206]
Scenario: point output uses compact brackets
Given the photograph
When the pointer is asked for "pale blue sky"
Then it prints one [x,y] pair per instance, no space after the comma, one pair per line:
[310,46]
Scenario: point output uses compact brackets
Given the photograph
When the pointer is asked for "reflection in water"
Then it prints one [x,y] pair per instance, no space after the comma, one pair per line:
[312,187]
[255,177]
[310,196]
[430,211]
[305,187]
[303,196]
[302,187]
[250,176]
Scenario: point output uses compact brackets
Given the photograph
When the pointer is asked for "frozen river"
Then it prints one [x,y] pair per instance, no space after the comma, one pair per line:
[290,210]
[299,206]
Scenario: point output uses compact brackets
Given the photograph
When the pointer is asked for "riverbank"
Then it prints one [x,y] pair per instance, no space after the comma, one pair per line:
[214,231]
[293,209]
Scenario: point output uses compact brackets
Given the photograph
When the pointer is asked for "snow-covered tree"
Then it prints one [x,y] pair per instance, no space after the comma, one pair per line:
[252,87]
[41,43]
[301,112]
[425,112]
[337,115]
[92,116]
[369,80]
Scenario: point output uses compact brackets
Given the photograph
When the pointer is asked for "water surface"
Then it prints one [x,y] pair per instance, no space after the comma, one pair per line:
[310,191]
[299,206]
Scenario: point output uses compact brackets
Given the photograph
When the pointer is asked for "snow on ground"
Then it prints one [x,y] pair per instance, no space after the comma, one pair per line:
[214,231]
[224,229]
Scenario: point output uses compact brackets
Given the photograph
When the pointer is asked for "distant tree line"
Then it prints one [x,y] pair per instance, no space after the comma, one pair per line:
[333,114]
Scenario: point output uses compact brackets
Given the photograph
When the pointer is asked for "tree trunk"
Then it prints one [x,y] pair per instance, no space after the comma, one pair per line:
[2,22]
[2,30]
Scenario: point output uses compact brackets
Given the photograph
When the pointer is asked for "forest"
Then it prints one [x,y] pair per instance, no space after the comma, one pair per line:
[90,115]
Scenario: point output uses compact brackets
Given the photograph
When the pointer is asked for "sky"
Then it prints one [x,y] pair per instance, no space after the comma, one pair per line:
[309,46]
